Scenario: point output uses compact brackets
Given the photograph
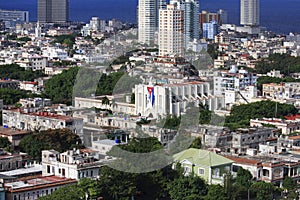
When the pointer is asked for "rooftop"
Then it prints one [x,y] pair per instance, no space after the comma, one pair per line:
[28,170]
[37,183]
[45,114]
[11,131]
[202,157]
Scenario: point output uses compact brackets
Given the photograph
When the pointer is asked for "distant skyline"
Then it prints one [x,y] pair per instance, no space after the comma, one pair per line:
[283,17]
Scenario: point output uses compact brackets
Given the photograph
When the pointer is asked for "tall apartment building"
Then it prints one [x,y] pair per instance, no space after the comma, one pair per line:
[170,39]
[148,11]
[206,17]
[53,11]
[191,19]
[250,12]
[210,30]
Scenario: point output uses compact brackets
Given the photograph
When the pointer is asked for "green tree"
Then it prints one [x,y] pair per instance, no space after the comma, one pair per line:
[170,122]
[243,182]
[187,187]
[59,139]
[240,115]
[70,192]
[14,71]
[205,114]
[4,142]
[288,183]
[12,96]
[197,143]
[263,190]
[216,192]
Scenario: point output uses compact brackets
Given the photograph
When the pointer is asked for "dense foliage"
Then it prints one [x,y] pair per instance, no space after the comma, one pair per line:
[4,142]
[142,145]
[60,140]
[170,122]
[285,63]
[266,79]
[66,40]
[14,71]
[240,115]
[187,187]
[83,82]
[11,96]
[60,87]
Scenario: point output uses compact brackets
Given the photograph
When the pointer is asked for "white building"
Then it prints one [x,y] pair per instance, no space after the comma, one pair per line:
[103,146]
[233,79]
[148,19]
[250,12]
[171,38]
[23,120]
[160,100]
[71,164]
[191,19]
[33,62]
[281,90]
[33,188]
[55,53]
[240,96]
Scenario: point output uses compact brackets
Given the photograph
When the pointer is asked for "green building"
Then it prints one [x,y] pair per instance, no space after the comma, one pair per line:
[208,165]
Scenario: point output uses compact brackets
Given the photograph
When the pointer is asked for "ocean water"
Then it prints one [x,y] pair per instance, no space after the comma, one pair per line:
[281,16]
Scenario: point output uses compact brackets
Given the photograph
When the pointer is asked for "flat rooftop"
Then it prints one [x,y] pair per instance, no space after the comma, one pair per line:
[37,183]
[11,131]
[27,170]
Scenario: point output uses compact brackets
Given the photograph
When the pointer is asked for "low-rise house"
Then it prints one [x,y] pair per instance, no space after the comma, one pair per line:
[208,165]
[26,171]
[8,83]
[10,162]
[13,135]
[281,90]
[245,138]
[268,169]
[19,119]
[73,164]
[33,188]
[286,126]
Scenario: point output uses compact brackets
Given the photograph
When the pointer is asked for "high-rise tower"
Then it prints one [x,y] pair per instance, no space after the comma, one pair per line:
[53,11]
[171,35]
[148,11]
[191,19]
[250,12]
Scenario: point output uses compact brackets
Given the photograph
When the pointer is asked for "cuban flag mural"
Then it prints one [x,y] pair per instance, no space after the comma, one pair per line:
[150,96]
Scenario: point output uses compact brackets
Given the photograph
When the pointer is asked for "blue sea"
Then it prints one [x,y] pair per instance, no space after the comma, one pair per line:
[281,16]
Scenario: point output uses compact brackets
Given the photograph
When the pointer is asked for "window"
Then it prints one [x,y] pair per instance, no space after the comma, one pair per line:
[201,171]
[48,169]
[187,170]
[63,172]
[216,172]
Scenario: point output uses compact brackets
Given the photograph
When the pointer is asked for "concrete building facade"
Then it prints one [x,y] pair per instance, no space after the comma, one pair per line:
[250,12]
[53,11]
[171,29]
